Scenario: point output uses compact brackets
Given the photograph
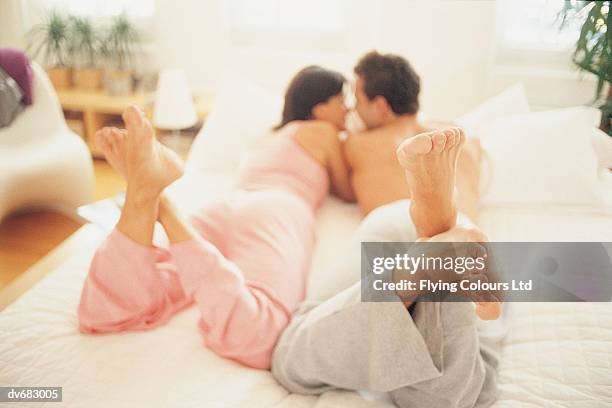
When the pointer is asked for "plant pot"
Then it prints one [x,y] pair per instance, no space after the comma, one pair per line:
[61,78]
[87,79]
[118,82]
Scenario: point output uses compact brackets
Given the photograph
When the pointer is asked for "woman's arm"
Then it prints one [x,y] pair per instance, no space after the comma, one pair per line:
[321,140]
[339,171]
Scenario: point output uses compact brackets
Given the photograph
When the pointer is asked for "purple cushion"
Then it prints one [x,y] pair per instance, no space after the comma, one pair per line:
[17,64]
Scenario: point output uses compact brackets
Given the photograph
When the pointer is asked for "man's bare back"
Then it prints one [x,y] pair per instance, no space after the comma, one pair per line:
[376,176]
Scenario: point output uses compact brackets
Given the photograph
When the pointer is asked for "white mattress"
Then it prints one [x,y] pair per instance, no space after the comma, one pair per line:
[557,355]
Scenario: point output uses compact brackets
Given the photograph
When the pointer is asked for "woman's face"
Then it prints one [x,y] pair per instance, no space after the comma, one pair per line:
[333,110]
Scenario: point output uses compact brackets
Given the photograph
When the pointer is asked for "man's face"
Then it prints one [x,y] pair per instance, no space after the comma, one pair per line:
[368,110]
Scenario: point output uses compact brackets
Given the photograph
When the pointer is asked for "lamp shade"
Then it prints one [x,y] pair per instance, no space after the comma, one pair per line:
[174,107]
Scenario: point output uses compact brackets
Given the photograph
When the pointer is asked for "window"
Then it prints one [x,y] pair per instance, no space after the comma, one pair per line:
[534,25]
[281,22]
[136,9]
[318,16]
[140,12]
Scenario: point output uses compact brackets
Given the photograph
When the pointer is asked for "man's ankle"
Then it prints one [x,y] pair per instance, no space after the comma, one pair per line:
[430,221]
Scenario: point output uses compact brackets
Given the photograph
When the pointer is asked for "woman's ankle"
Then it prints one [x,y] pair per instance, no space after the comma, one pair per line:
[142,199]
[166,210]
[137,224]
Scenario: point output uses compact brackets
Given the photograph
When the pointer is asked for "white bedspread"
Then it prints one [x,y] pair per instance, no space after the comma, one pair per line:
[557,355]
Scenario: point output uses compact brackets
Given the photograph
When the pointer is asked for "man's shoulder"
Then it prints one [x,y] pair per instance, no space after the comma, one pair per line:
[379,135]
[360,145]
[356,139]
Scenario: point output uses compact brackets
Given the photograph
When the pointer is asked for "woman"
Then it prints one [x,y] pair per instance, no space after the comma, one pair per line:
[244,259]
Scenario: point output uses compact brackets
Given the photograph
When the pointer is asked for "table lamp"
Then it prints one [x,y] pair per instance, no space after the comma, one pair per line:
[174,109]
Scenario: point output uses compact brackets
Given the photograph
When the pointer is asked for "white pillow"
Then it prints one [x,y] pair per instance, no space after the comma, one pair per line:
[602,144]
[242,112]
[512,101]
[542,158]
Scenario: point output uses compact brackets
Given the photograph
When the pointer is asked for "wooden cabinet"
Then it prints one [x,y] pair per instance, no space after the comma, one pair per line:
[97,109]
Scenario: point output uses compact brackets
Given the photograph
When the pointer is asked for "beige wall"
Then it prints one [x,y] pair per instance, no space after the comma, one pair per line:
[451,53]
[11,23]
[451,43]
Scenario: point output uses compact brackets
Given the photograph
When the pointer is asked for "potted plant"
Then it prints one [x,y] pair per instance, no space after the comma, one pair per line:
[120,46]
[593,51]
[85,48]
[51,39]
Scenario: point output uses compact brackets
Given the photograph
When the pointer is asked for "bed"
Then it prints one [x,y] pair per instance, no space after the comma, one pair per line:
[555,355]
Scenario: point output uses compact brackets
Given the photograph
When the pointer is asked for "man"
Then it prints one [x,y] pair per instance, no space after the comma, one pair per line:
[386,92]
[427,355]
[387,101]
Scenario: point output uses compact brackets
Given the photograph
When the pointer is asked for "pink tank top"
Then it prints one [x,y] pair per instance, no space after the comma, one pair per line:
[284,164]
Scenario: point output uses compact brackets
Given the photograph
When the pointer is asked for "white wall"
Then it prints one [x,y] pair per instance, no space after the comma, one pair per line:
[202,45]
[451,43]
[11,23]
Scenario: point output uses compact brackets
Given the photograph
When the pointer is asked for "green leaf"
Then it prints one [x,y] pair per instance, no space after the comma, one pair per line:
[592,52]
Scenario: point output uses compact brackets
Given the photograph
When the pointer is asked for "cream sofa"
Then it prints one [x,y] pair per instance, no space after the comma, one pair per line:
[42,162]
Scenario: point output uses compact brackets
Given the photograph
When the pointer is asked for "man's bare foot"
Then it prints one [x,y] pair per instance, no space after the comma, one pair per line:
[148,166]
[488,309]
[430,160]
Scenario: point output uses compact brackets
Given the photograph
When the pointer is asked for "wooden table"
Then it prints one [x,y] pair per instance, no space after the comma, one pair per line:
[98,109]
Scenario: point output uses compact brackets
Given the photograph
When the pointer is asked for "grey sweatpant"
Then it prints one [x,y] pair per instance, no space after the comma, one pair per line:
[432,357]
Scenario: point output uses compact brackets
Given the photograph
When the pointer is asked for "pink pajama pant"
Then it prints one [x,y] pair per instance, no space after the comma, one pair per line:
[246,274]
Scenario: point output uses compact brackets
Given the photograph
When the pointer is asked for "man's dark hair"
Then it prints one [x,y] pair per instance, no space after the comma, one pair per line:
[392,77]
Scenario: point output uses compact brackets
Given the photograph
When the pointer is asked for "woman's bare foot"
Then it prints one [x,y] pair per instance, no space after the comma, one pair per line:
[146,164]
[111,141]
[125,155]
[430,161]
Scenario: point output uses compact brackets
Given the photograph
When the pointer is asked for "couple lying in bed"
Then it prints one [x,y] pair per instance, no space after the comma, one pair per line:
[244,260]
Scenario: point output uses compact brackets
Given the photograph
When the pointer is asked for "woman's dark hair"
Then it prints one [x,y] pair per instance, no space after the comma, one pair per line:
[309,87]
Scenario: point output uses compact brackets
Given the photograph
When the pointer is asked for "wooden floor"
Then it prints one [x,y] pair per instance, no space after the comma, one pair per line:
[26,238]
